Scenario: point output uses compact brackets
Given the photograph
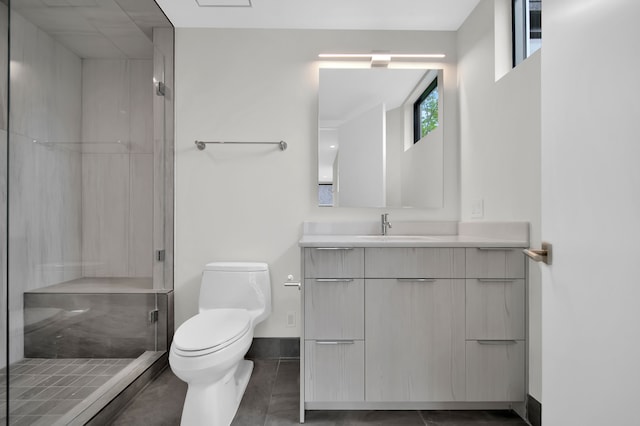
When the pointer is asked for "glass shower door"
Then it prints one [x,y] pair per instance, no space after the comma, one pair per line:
[4,338]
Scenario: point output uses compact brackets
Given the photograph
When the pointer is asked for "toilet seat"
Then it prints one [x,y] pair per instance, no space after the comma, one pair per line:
[211,331]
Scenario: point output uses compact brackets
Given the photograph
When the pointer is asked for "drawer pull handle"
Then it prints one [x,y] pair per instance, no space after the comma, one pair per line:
[334,248]
[496,280]
[494,248]
[416,280]
[335,342]
[497,342]
[334,280]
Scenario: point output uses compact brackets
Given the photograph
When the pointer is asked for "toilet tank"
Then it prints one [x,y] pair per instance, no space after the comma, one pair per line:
[240,285]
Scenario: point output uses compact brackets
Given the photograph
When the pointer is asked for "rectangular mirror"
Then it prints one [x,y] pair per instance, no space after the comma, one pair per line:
[380,138]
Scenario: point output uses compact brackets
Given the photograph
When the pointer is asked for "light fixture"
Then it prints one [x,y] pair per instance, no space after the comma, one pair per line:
[381,59]
[224,3]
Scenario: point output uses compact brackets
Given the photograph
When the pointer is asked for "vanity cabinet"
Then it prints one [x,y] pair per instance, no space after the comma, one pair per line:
[334,324]
[495,324]
[430,326]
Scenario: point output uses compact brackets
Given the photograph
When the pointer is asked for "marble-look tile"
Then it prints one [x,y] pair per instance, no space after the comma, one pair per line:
[130,41]
[141,95]
[64,110]
[3,236]
[25,81]
[140,216]
[45,179]
[105,101]
[90,326]
[105,214]
[4,65]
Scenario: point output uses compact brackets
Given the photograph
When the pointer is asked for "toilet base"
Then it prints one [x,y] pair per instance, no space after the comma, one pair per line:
[216,404]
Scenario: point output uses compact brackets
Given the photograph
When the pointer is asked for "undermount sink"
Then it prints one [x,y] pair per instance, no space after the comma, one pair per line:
[415,238]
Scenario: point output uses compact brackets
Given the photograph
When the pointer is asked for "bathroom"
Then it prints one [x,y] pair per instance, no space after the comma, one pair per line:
[248,203]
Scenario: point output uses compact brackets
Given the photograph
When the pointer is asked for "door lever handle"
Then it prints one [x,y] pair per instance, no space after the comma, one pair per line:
[542,255]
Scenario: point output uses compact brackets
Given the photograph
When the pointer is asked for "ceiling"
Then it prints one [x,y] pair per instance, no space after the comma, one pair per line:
[435,15]
[97,28]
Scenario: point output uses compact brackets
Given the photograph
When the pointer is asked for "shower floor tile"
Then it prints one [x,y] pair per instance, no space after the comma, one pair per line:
[42,390]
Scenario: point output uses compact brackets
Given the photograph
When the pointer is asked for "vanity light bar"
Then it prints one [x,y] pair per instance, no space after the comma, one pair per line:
[375,54]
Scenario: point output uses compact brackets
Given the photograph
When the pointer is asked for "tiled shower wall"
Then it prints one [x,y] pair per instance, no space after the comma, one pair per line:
[117,168]
[45,167]
[81,175]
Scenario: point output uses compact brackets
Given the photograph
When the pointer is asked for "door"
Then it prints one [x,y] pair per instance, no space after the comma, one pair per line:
[591,212]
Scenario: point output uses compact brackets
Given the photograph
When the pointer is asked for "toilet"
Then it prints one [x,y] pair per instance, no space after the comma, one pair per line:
[208,349]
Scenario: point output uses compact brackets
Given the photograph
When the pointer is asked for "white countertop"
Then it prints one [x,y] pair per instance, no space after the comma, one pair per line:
[312,240]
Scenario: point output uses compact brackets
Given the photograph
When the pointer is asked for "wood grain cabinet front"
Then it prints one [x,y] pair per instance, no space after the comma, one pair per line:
[495,324]
[334,308]
[334,370]
[414,340]
[333,325]
[333,262]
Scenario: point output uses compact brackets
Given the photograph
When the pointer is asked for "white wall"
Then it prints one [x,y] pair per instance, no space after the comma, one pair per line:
[248,203]
[500,129]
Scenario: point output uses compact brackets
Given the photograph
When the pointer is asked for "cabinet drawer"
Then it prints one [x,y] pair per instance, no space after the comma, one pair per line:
[334,308]
[495,309]
[414,262]
[495,263]
[334,370]
[341,262]
[495,370]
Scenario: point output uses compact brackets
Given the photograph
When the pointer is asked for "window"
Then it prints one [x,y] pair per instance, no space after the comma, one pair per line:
[325,195]
[527,28]
[425,112]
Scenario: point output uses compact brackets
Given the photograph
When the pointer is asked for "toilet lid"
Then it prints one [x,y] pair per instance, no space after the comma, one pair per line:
[212,330]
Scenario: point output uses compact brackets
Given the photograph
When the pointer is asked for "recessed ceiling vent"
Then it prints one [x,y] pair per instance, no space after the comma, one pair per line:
[224,3]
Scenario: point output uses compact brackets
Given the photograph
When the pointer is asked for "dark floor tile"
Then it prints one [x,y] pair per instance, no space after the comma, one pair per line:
[288,377]
[383,418]
[284,409]
[472,418]
[160,403]
[255,402]
[288,413]
[55,406]
[21,408]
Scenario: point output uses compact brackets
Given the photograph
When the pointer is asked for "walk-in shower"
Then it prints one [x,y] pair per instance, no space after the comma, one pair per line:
[86,205]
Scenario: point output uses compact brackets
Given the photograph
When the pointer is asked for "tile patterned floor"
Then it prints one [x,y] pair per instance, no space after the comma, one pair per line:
[271,399]
[42,390]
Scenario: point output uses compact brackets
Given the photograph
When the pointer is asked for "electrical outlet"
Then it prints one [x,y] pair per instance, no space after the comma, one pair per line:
[477,209]
[291,319]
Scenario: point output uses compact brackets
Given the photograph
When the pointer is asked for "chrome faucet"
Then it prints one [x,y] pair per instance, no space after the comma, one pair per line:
[385,225]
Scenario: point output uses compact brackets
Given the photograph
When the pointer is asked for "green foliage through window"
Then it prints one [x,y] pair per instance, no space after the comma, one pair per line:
[425,112]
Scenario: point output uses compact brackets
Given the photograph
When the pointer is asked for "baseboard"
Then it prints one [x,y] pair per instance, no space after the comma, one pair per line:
[534,411]
[274,348]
